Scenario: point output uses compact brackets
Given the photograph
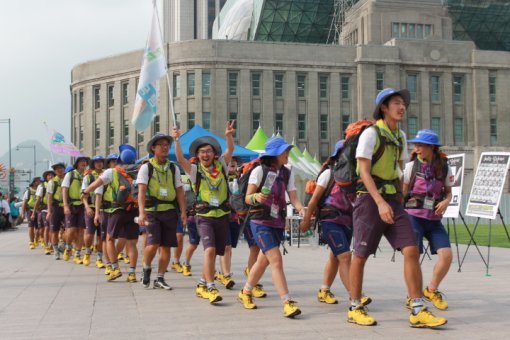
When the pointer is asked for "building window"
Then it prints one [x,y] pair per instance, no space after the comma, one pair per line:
[232,84]
[80,106]
[110,96]
[458,131]
[301,80]
[111,134]
[419,31]
[125,93]
[435,93]
[191,120]
[411,33]
[379,81]
[323,86]
[80,139]
[395,30]
[301,126]
[177,85]
[278,85]
[255,121]
[156,124]
[412,126]
[403,30]
[97,98]
[206,84]
[125,137]
[139,138]
[345,87]
[435,124]
[278,123]
[255,84]
[97,135]
[412,86]
[494,131]
[191,84]
[324,127]
[346,120]
[428,31]
[206,120]
[492,89]
[457,89]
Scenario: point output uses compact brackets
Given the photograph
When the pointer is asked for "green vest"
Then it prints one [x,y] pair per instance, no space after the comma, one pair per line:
[57,191]
[161,181]
[75,188]
[44,204]
[386,168]
[212,187]
[93,175]
[110,191]
[31,197]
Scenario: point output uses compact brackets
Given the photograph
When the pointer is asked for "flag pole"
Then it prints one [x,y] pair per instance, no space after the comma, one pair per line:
[169,84]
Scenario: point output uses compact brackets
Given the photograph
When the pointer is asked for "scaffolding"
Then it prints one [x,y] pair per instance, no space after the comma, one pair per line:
[338,22]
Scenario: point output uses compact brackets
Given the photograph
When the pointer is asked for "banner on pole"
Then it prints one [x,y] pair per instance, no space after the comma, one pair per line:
[488,185]
[456,164]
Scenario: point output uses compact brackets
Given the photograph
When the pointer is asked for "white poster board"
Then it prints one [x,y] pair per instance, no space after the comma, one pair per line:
[456,164]
[488,185]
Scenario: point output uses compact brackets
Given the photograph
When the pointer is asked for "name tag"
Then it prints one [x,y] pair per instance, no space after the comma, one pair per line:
[214,201]
[275,210]
[428,203]
[163,192]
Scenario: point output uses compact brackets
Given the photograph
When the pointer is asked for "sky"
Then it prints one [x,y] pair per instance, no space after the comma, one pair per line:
[41,41]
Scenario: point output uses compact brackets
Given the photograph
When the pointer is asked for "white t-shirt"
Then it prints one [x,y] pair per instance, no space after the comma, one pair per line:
[193,174]
[257,174]
[66,182]
[324,178]
[40,190]
[25,195]
[408,170]
[4,206]
[143,176]
[107,176]
[367,141]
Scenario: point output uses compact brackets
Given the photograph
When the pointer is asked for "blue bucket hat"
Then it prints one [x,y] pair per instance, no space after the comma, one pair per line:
[127,154]
[338,146]
[96,158]
[385,94]
[426,136]
[275,146]
[69,168]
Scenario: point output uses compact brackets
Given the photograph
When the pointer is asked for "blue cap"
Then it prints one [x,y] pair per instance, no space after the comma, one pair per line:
[426,136]
[127,154]
[112,156]
[275,146]
[385,94]
[69,168]
[338,146]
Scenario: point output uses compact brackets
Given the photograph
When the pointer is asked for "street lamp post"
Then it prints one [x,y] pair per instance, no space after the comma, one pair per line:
[11,175]
[29,147]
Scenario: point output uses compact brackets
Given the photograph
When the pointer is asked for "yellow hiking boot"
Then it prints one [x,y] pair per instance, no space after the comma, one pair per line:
[108,269]
[365,300]
[47,251]
[326,296]
[31,245]
[436,297]
[120,256]
[408,303]
[258,291]
[290,309]
[201,291]
[77,260]
[214,295]
[186,270]
[131,278]
[227,281]
[176,266]
[99,264]
[425,319]
[246,299]
[127,260]
[115,274]
[359,316]
[86,259]
[66,255]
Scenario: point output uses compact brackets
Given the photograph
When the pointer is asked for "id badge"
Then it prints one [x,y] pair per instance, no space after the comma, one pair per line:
[275,209]
[428,203]
[163,192]
[214,200]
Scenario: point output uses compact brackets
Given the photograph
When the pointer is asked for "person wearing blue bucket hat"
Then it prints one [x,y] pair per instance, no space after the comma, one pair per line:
[41,207]
[96,169]
[74,209]
[332,207]
[116,186]
[267,198]
[427,193]
[111,160]
[55,215]
[380,154]
[208,174]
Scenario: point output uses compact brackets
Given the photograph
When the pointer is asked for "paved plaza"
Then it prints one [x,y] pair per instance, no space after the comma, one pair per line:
[43,298]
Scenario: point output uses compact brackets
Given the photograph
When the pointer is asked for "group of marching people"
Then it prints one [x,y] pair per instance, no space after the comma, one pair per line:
[116,201]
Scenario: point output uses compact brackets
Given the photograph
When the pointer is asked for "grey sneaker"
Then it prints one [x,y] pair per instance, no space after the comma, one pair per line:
[160,283]
[146,277]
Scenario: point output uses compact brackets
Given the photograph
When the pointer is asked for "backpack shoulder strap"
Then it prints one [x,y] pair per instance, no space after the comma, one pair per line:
[329,187]
[382,144]
[172,168]
[416,167]
[150,167]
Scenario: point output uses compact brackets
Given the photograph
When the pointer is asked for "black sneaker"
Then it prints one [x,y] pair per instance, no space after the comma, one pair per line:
[160,283]
[146,277]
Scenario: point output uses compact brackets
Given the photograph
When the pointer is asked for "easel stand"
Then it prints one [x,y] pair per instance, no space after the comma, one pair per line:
[472,241]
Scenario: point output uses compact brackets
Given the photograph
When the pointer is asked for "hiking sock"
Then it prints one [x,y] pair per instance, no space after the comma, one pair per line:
[100,255]
[210,285]
[247,287]
[285,297]
[201,282]
[88,250]
[324,287]
[354,304]
[115,265]
[131,270]
[416,305]
[161,276]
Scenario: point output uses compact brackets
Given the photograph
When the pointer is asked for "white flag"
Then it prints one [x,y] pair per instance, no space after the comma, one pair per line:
[153,68]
